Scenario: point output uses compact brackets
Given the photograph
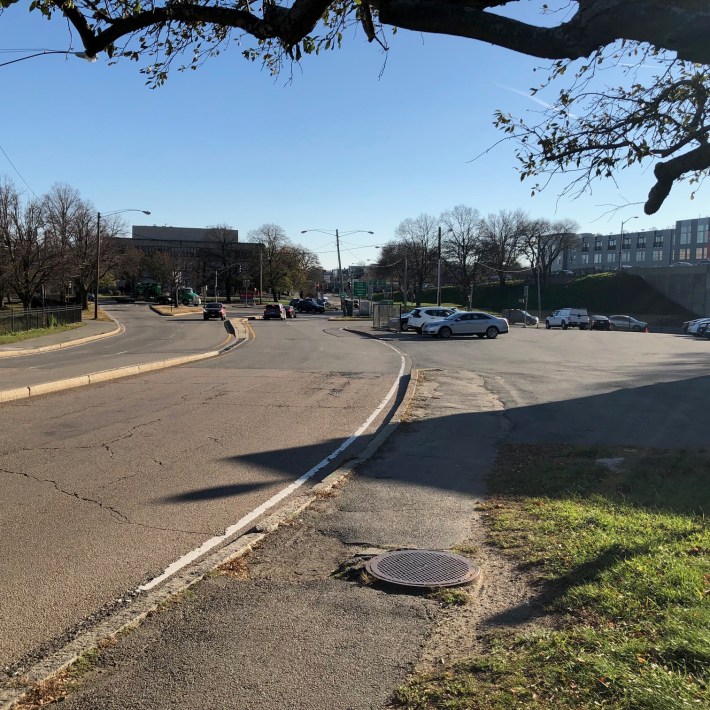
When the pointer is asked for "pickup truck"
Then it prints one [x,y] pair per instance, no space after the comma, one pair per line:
[568,318]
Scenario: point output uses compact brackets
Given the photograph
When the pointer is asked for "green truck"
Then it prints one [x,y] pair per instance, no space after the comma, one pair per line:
[187,297]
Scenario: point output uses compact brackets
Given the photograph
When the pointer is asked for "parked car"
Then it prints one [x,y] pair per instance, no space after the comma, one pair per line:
[290,311]
[568,318]
[466,323]
[693,327]
[627,323]
[517,315]
[309,305]
[214,309]
[164,299]
[274,310]
[598,322]
[422,315]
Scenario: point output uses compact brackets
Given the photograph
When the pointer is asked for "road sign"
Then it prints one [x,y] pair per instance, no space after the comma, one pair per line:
[360,288]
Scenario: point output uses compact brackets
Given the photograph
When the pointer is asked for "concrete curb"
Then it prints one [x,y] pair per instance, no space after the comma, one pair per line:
[61,346]
[142,606]
[106,375]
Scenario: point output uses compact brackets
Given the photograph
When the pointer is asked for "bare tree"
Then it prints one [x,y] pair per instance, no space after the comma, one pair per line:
[222,255]
[276,253]
[418,238]
[130,266]
[461,244]
[545,240]
[502,241]
[31,254]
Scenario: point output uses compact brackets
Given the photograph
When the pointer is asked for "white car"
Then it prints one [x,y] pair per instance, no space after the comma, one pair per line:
[419,316]
[484,325]
[693,326]
[568,318]
[627,323]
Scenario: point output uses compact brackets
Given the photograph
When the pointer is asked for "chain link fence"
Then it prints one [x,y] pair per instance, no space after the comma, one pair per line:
[16,321]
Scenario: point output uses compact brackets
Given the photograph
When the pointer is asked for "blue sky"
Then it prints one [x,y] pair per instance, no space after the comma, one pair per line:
[350,143]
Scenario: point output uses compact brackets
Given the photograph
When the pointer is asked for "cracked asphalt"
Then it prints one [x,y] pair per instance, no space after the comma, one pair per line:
[291,631]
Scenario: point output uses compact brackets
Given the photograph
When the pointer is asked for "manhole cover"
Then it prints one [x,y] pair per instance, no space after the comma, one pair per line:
[422,568]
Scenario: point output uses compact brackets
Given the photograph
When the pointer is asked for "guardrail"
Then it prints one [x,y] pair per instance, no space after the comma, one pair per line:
[16,321]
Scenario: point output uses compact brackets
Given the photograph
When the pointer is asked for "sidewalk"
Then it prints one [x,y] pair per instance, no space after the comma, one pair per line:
[294,623]
[89,330]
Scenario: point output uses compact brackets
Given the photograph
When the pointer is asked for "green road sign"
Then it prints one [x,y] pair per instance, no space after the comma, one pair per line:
[360,288]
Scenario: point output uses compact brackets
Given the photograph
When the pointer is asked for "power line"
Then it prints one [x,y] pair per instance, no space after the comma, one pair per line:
[18,172]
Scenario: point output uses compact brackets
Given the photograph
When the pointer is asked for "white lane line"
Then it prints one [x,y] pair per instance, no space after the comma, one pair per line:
[249,517]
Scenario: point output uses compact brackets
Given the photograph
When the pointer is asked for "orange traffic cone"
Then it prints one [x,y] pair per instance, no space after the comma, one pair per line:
[646,330]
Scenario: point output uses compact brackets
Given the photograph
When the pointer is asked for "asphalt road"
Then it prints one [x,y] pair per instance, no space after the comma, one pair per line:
[105,486]
[148,337]
[584,387]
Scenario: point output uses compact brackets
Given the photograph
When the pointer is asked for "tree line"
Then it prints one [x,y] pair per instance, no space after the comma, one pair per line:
[472,248]
[51,251]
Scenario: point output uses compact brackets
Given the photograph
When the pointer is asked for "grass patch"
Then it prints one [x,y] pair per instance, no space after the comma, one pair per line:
[623,558]
[10,338]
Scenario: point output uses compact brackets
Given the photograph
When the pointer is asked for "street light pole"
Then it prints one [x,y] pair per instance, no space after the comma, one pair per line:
[340,268]
[98,252]
[621,237]
[438,269]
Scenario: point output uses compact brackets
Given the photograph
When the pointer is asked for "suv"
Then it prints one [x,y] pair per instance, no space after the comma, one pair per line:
[214,309]
[274,310]
[309,305]
[419,316]
[568,318]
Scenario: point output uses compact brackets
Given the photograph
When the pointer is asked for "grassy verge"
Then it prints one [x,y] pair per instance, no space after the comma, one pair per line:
[10,338]
[622,558]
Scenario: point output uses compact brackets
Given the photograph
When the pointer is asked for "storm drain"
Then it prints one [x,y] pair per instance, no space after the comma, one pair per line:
[422,568]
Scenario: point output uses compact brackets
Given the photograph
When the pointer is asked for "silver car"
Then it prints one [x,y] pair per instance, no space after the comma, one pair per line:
[627,323]
[466,323]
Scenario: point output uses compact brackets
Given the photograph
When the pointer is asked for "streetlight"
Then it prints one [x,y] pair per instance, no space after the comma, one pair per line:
[98,252]
[68,52]
[438,267]
[337,236]
[621,237]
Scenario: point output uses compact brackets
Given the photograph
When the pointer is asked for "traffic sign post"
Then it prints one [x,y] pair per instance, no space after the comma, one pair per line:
[525,315]
[360,289]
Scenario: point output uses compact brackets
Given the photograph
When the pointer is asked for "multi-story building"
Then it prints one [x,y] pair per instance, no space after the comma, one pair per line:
[687,243]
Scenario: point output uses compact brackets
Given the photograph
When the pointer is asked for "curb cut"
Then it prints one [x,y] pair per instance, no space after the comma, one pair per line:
[143,606]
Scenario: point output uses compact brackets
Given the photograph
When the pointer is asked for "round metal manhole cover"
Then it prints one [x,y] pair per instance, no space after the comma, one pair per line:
[422,568]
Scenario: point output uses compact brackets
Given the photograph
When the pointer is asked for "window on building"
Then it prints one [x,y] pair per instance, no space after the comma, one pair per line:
[585,259]
[701,253]
[597,243]
[641,242]
[585,246]
[702,233]
[598,258]
[683,254]
[610,258]
[657,240]
[625,256]
[684,237]
[626,243]
[640,256]
[611,246]
[657,255]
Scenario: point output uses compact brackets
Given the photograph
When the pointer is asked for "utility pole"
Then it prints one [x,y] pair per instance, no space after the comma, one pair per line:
[261,272]
[406,284]
[340,268]
[438,270]
[98,264]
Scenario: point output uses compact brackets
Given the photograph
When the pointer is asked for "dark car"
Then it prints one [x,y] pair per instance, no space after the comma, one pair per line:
[274,310]
[214,309]
[165,299]
[599,323]
[309,305]
[290,311]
